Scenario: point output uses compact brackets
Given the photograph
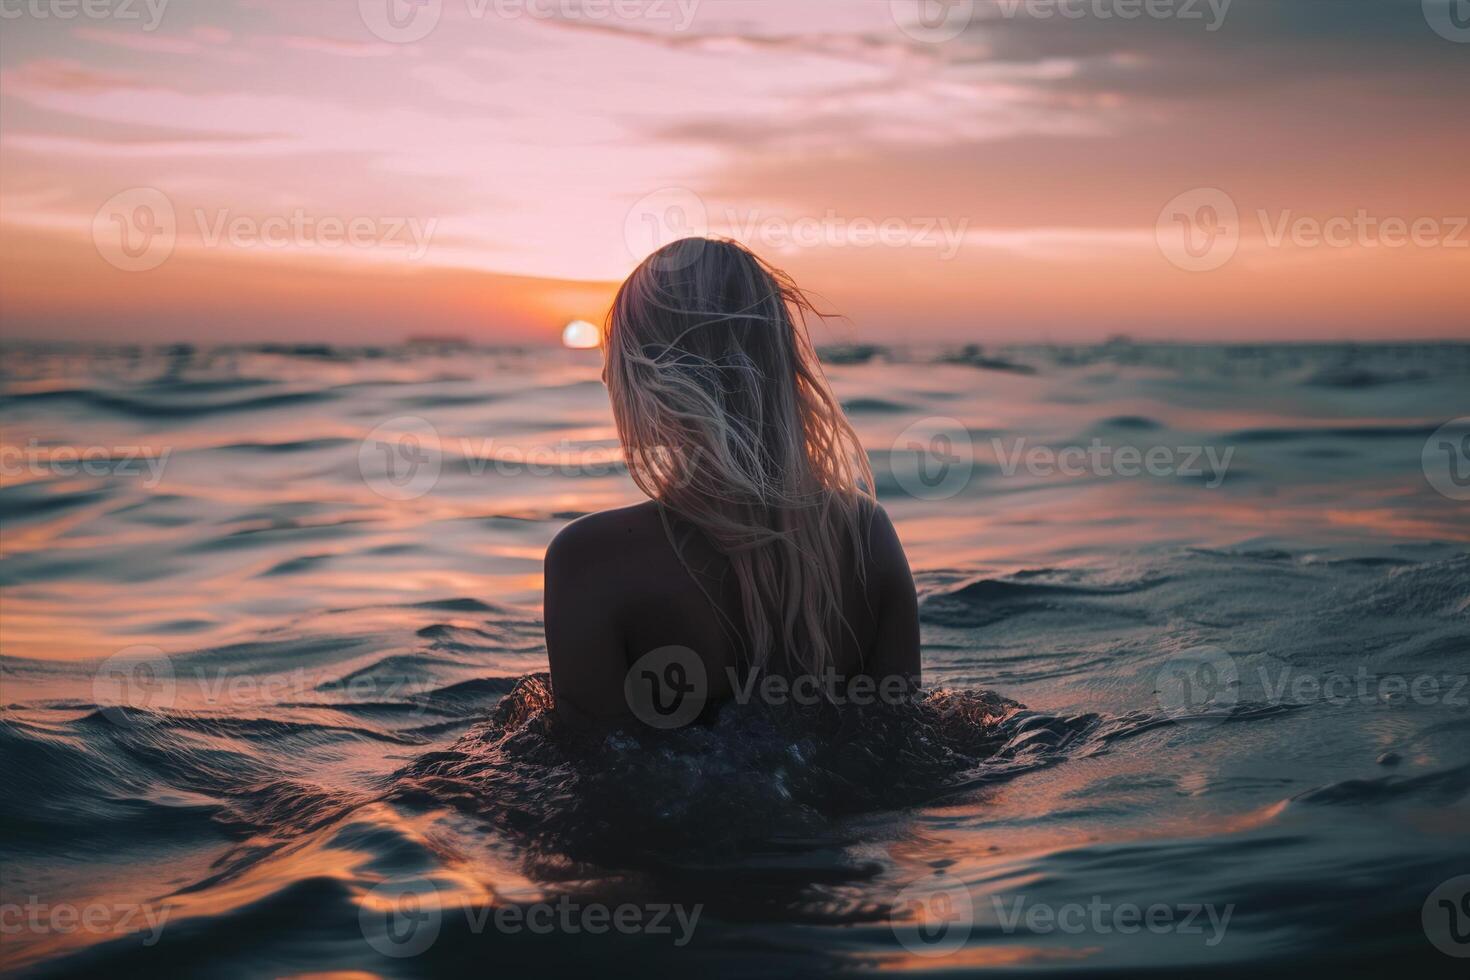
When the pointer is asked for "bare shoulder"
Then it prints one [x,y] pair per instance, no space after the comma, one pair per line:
[604,539]
[884,548]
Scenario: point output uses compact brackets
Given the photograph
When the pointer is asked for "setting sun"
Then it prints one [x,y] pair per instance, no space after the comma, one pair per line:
[581,335]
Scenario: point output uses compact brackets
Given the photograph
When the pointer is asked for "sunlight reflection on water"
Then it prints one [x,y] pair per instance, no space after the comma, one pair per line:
[313,636]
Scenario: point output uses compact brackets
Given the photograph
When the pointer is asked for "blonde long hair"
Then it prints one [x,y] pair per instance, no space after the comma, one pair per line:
[726,419]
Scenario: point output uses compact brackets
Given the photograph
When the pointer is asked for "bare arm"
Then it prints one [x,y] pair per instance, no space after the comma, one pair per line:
[583,640]
[896,644]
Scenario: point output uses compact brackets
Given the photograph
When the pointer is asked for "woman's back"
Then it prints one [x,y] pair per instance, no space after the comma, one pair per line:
[762,552]
[626,583]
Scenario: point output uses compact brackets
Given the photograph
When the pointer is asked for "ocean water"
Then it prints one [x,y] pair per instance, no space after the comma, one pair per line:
[1196,628]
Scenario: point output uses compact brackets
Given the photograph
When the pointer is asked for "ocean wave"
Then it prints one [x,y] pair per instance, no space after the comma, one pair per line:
[755,776]
[637,796]
[1353,432]
[1441,786]
[984,601]
[155,405]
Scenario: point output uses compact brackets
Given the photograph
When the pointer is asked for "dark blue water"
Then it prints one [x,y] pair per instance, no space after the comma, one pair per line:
[273,707]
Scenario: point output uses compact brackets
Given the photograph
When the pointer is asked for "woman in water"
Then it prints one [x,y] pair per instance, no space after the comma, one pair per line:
[761,562]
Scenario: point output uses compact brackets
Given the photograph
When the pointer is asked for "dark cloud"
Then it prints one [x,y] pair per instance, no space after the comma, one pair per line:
[1258,44]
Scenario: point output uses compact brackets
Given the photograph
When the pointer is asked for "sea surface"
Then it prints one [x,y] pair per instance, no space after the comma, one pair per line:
[1196,627]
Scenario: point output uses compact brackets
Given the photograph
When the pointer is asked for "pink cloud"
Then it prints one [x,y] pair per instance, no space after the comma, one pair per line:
[334,46]
[192,43]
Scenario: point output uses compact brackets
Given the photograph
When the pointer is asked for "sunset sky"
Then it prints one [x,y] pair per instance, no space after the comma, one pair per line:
[175,170]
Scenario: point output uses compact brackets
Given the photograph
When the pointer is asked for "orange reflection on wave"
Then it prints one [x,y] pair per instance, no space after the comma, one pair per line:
[1399,524]
[975,956]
